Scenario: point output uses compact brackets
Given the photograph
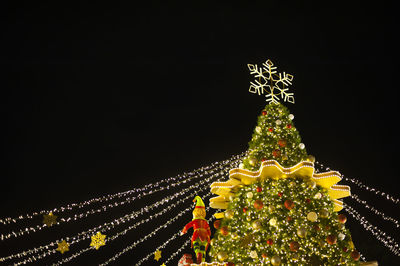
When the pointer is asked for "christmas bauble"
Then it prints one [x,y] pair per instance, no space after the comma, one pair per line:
[302,146]
[229,214]
[289,126]
[312,216]
[258,130]
[311,158]
[276,153]
[224,230]
[294,245]
[258,204]
[252,161]
[273,222]
[318,196]
[249,195]
[264,255]
[244,209]
[342,218]
[217,224]
[331,239]
[256,225]
[271,208]
[341,236]
[289,204]
[278,122]
[253,254]
[264,112]
[312,184]
[324,213]
[355,255]
[259,189]
[291,116]
[270,242]
[276,260]
[222,255]
[301,232]
[282,143]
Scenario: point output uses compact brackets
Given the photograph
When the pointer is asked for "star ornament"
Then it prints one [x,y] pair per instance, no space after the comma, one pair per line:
[271,83]
[98,240]
[49,219]
[63,246]
[157,255]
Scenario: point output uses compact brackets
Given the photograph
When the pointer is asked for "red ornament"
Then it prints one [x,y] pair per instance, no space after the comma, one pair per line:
[264,255]
[244,209]
[270,129]
[263,159]
[186,260]
[294,246]
[316,227]
[331,239]
[327,227]
[282,143]
[345,249]
[355,255]
[217,224]
[280,194]
[342,218]
[276,153]
[289,204]
[289,125]
[264,112]
[288,218]
[258,204]
[270,242]
[259,189]
[224,230]
[308,200]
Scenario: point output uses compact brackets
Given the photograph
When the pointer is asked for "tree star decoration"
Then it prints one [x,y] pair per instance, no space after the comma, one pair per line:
[98,240]
[157,255]
[49,219]
[163,264]
[63,246]
[273,84]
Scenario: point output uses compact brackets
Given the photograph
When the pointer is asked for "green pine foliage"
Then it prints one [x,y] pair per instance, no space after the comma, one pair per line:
[268,221]
[275,137]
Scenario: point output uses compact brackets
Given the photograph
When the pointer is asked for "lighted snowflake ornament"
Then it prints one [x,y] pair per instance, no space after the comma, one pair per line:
[271,83]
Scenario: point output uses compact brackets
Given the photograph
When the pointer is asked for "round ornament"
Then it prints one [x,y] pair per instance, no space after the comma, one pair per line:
[301,232]
[273,222]
[259,189]
[276,153]
[241,165]
[294,246]
[249,195]
[280,194]
[271,208]
[252,162]
[289,126]
[224,230]
[217,224]
[229,214]
[282,143]
[342,218]
[276,260]
[312,184]
[341,236]
[258,130]
[302,146]
[222,255]
[270,242]
[258,204]
[331,239]
[270,129]
[312,216]
[318,196]
[248,218]
[324,213]
[291,116]
[295,256]
[289,204]
[355,255]
[245,209]
[256,225]
[264,255]
[311,158]
[278,122]
[264,112]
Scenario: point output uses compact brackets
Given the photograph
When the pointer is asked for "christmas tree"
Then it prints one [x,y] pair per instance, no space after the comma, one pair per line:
[278,210]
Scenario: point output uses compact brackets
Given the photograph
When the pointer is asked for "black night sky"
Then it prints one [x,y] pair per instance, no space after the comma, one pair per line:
[103,98]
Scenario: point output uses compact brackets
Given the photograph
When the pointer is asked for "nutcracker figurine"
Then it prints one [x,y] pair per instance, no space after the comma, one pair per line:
[201,230]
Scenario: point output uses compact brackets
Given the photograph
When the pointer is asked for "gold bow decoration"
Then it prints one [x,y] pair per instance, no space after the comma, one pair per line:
[272,169]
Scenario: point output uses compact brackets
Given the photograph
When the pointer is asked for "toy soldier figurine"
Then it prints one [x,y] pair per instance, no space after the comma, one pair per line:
[201,230]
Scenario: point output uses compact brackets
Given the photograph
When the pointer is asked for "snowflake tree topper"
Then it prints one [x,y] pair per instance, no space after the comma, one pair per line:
[274,85]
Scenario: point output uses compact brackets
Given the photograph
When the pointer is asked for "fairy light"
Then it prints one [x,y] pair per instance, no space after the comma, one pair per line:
[27,230]
[107,226]
[69,207]
[383,237]
[363,186]
[375,211]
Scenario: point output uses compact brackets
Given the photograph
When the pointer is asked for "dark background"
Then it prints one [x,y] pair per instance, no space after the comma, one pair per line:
[100,98]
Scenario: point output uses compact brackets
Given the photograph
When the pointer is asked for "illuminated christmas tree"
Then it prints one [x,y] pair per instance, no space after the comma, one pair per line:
[278,210]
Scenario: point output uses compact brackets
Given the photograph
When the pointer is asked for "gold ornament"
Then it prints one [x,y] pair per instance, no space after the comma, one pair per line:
[273,222]
[256,225]
[311,158]
[222,255]
[273,84]
[324,213]
[49,219]
[157,255]
[98,240]
[253,254]
[63,246]
[252,161]
[318,196]
[271,208]
[229,214]
[312,184]
[276,260]
[312,216]
[249,195]
[301,232]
